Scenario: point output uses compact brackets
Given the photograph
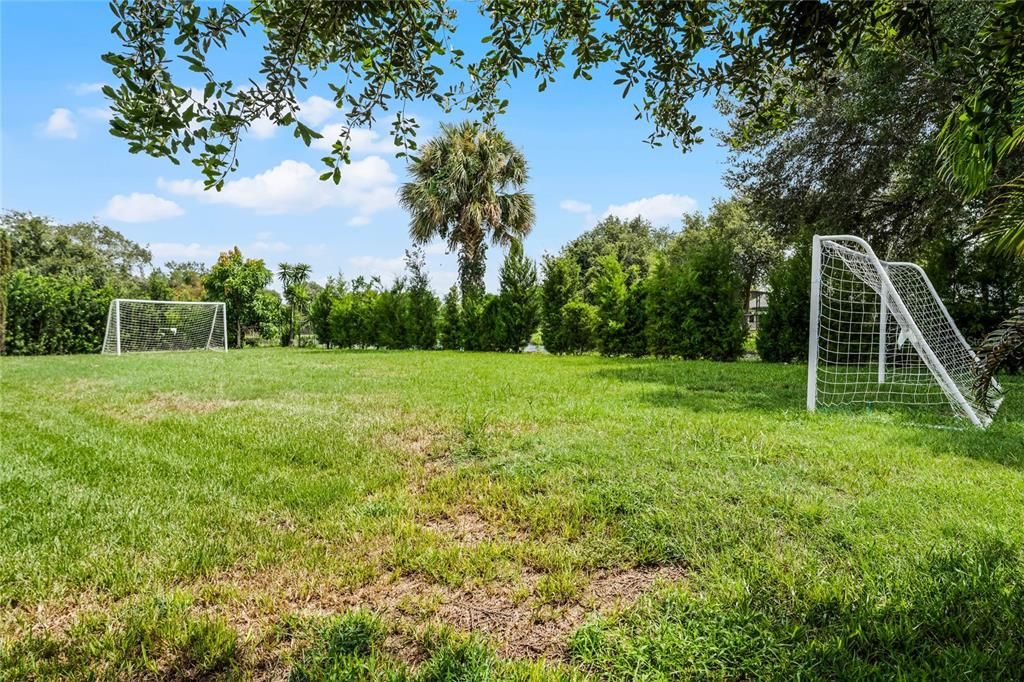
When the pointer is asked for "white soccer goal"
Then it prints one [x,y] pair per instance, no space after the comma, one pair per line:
[135,326]
[880,334]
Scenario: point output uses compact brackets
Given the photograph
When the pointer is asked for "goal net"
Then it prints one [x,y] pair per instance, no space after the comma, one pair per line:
[135,326]
[880,335]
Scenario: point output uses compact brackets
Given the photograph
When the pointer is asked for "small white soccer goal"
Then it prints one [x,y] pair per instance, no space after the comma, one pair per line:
[880,334]
[136,326]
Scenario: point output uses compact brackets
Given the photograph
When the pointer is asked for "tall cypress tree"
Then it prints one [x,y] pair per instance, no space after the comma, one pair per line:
[451,321]
[561,285]
[423,304]
[609,293]
[5,271]
[519,299]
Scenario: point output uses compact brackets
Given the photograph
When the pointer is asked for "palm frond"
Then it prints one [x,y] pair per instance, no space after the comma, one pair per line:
[1002,348]
[966,157]
[1003,221]
[466,187]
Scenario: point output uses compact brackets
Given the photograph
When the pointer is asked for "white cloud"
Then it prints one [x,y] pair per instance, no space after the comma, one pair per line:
[268,247]
[377,264]
[316,110]
[61,124]
[443,280]
[263,128]
[165,251]
[442,277]
[367,186]
[87,88]
[140,208]
[360,140]
[573,206]
[96,113]
[659,209]
[387,268]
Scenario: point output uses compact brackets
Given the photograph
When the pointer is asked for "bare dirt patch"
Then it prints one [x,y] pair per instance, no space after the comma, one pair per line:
[509,614]
[255,602]
[466,527]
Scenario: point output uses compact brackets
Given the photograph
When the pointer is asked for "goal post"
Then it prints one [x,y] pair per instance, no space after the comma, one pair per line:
[141,326]
[880,334]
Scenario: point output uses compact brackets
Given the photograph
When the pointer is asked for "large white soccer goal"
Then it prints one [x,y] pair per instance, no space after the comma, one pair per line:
[879,334]
[136,326]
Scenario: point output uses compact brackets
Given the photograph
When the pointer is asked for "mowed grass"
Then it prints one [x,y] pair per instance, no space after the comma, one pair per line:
[413,515]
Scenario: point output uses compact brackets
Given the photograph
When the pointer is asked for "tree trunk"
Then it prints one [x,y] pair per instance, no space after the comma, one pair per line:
[472,268]
[238,333]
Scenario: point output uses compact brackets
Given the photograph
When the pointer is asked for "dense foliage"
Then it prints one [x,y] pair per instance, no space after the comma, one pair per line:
[5,272]
[61,313]
[689,304]
[182,281]
[365,314]
[238,281]
[561,286]
[59,281]
[695,302]
[378,55]
[633,242]
[518,300]
[782,330]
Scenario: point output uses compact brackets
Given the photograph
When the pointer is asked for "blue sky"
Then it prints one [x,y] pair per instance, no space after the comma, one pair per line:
[587,158]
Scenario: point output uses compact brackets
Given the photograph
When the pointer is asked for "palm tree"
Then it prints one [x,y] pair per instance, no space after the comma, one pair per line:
[293,283]
[467,189]
[971,156]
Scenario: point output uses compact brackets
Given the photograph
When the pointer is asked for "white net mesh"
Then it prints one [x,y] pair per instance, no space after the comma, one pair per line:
[144,326]
[884,337]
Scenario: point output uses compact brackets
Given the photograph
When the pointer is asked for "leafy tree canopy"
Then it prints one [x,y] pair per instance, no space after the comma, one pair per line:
[171,100]
[730,222]
[862,157]
[633,243]
[85,249]
[239,282]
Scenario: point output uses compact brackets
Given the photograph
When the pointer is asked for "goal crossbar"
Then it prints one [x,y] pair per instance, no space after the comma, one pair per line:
[140,326]
[879,333]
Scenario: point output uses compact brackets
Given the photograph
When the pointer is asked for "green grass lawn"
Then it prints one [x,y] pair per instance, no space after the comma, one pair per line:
[411,515]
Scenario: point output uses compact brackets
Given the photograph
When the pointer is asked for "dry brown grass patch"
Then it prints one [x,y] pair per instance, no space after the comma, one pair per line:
[509,614]
[164,404]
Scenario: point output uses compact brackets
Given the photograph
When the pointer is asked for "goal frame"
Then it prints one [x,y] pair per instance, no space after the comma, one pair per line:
[115,310]
[889,300]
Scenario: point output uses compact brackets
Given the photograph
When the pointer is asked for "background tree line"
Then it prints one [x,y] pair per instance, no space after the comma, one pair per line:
[623,288]
[57,281]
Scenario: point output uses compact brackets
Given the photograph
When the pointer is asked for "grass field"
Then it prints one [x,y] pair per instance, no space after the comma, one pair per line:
[431,516]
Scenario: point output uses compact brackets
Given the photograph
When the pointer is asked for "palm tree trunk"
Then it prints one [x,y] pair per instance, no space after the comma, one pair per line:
[472,268]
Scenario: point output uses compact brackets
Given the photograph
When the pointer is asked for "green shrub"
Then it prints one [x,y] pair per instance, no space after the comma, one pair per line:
[634,335]
[423,306]
[54,314]
[519,300]
[782,330]
[578,323]
[609,293]
[391,317]
[561,285]
[694,303]
[451,321]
